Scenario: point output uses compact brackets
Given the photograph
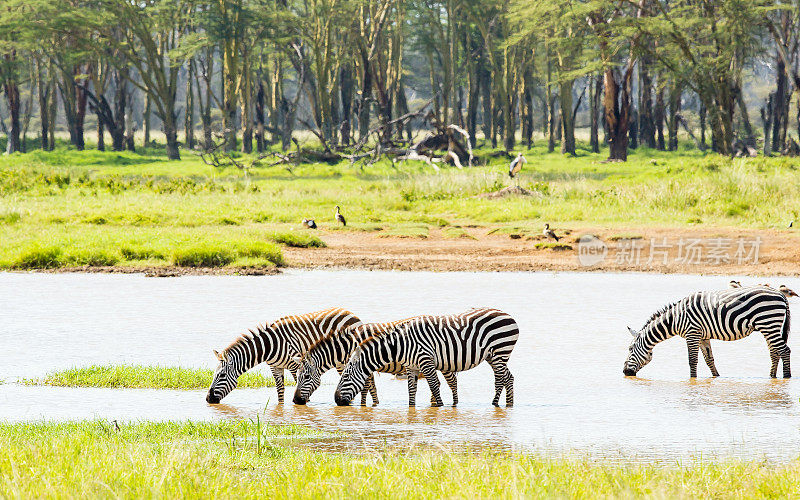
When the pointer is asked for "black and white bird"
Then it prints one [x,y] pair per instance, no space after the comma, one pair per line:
[339,217]
[791,224]
[787,292]
[309,223]
[549,233]
[516,165]
[735,284]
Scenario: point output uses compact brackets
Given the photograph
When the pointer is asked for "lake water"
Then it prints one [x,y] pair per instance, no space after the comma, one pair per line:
[570,394]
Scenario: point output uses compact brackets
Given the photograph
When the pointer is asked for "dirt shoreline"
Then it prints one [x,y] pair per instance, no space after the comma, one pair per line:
[629,249]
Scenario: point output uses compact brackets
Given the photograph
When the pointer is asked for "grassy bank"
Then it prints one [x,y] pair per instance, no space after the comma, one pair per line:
[67,208]
[144,377]
[250,459]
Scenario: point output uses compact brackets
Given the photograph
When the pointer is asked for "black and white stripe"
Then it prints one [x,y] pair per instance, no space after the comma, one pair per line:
[425,344]
[277,344]
[724,315]
[334,350]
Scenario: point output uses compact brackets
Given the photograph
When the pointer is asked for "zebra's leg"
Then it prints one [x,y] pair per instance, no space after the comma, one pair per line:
[774,356]
[429,371]
[373,390]
[498,379]
[509,386]
[502,380]
[693,345]
[277,374]
[365,391]
[705,347]
[452,381]
[411,377]
[787,369]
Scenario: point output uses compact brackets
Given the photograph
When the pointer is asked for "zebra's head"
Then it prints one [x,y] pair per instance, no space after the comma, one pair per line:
[225,378]
[353,378]
[309,378]
[638,354]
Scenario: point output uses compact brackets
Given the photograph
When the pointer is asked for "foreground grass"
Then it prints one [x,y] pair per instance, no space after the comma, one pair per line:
[251,460]
[144,377]
[68,208]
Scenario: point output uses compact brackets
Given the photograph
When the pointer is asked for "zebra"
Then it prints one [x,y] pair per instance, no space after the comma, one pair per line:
[730,314]
[277,345]
[333,351]
[450,343]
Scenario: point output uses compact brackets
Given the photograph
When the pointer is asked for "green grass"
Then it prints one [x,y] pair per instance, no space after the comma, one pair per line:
[249,459]
[139,207]
[143,377]
[552,245]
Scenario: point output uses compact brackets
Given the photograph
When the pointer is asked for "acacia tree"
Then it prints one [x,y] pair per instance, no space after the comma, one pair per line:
[151,33]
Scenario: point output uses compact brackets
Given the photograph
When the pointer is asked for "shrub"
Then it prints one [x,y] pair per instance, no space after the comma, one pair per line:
[300,240]
[202,257]
[39,258]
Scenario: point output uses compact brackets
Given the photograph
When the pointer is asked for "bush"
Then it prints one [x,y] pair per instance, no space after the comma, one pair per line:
[93,258]
[300,240]
[39,258]
[202,257]
[262,250]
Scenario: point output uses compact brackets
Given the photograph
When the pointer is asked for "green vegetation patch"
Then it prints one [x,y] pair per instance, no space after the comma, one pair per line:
[38,257]
[251,459]
[143,377]
[298,239]
[552,245]
[10,217]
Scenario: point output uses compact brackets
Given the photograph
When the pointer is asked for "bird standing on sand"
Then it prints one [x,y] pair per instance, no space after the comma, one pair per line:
[309,223]
[549,233]
[787,292]
[339,217]
[516,165]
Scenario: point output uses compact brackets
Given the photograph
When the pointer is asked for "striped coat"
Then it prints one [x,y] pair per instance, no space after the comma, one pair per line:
[277,345]
[730,314]
[449,343]
[333,351]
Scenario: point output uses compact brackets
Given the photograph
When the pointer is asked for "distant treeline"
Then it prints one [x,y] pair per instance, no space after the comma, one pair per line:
[245,74]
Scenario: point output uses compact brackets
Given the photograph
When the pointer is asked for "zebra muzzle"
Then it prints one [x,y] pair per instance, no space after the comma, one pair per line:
[212,398]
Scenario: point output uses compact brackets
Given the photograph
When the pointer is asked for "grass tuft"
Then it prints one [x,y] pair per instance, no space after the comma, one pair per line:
[92,258]
[299,240]
[261,250]
[10,217]
[143,377]
[552,245]
[39,258]
[202,256]
[140,253]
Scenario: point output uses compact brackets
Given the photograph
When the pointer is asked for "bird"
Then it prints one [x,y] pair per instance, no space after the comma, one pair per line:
[791,224]
[339,217]
[309,223]
[116,425]
[516,165]
[787,292]
[735,284]
[549,233]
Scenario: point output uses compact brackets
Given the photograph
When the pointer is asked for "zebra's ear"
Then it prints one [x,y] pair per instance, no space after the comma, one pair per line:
[219,356]
[633,332]
[356,353]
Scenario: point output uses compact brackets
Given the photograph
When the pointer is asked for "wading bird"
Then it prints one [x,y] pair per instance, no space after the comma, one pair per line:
[735,284]
[516,165]
[339,217]
[309,223]
[549,233]
[787,292]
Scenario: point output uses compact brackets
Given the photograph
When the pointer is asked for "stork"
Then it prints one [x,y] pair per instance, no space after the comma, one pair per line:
[549,233]
[516,165]
[339,217]
[309,223]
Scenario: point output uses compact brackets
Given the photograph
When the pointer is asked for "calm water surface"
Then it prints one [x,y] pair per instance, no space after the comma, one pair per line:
[570,394]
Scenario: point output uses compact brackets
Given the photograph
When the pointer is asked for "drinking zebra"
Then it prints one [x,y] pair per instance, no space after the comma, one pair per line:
[333,351]
[277,345]
[425,344]
[724,315]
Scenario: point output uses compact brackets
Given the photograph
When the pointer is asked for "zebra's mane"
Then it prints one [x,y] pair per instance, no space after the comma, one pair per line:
[659,313]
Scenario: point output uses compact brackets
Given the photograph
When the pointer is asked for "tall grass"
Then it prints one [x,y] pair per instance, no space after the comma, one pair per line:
[248,459]
[143,377]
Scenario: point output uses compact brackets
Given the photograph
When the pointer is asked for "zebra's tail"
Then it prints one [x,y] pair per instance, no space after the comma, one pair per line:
[787,323]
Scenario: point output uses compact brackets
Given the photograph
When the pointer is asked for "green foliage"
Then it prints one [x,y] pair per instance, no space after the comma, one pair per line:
[300,240]
[202,256]
[38,257]
[143,377]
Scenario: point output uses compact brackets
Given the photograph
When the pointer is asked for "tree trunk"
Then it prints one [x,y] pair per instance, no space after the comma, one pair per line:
[633,130]
[12,95]
[778,105]
[188,117]
[146,120]
[346,85]
[485,84]
[617,104]
[766,119]
[171,133]
[672,123]
[120,111]
[594,108]
[567,121]
[260,116]
[658,115]
[364,105]
[645,114]
[45,94]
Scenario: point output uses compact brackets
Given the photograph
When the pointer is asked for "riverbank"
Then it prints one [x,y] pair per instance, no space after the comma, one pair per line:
[250,459]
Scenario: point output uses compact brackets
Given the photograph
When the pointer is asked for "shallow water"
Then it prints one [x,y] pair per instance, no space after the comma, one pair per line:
[570,394]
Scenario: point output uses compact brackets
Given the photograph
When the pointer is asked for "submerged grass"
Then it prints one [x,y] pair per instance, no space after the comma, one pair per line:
[248,459]
[143,377]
